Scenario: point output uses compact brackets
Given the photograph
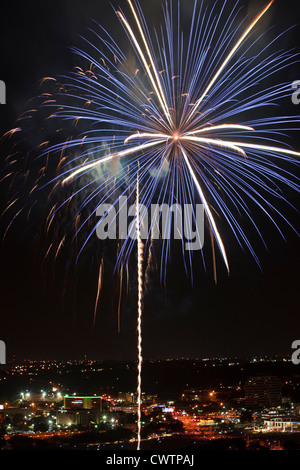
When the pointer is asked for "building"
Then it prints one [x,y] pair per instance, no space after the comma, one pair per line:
[149,399]
[47,397]
[198,396]
[282,424]
[82,417]
[124,408]
[131,398]
[263,391]
[11,412]
[127,397]
[279,424]
[75,402]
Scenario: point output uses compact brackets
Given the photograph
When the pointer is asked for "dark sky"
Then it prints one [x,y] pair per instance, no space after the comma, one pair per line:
[251,312]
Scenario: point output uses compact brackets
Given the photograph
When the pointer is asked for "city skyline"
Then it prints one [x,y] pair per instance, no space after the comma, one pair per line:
[192,406]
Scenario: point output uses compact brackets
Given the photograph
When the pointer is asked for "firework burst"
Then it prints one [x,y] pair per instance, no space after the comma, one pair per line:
[177,108]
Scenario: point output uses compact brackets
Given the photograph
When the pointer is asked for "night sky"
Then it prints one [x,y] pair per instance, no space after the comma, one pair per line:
[250,313]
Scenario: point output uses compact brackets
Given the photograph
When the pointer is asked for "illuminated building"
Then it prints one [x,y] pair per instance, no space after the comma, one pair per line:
[84,403]
[263,391]
[282,424]
[78,417]
[279,424]
[127,397]
[11,412]
[124,409]
[131,398]
[200,396]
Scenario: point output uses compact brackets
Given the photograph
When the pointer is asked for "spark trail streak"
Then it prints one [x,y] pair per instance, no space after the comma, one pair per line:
[140,311]
[98,292]
[207,209]
[101,161]
[156,85]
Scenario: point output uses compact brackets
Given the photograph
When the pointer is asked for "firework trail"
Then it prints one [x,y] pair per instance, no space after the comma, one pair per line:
[140,248]
[98,292]
[149,263]
[120,298]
